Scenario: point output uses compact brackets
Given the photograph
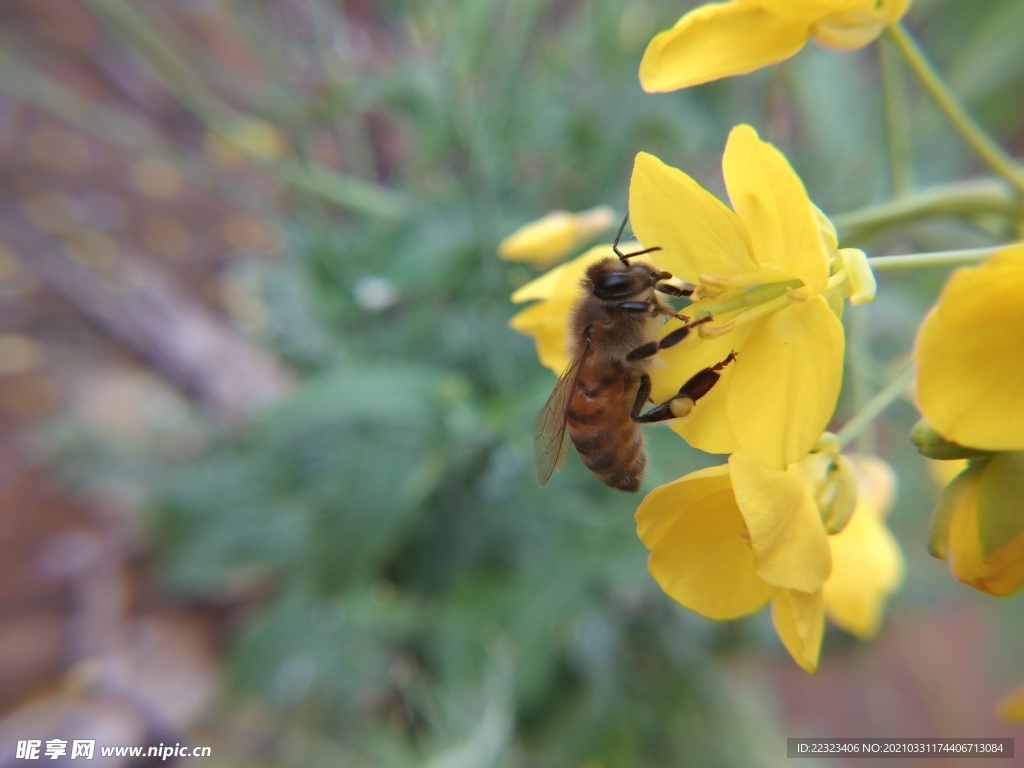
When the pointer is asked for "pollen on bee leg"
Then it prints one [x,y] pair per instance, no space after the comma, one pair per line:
[681,406]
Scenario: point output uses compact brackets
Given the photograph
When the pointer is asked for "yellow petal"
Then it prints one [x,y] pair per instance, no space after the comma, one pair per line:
[542,287]
[770,200]
[799,620]
[554,236]
[707,426]
[718,40]
[943,472]
[829,237]
[548,331]
[959,492]
[985,294]
[786,534]
[968,353]
[785,383]
[557,279]
[695,230]
[811,10]
[818,10]
[699,555]
[1012,707]
[867,564]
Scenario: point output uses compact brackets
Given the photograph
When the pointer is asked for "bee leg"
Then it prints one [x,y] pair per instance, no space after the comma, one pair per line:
[644,350]
[679,404]
[669,340]
[658,413]
[702,381]
[625,257]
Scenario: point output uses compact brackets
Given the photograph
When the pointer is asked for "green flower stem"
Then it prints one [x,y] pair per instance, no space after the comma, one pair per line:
[342,189]
[936,259]
[989,151]
[898,131]
[889,394]
[969,198]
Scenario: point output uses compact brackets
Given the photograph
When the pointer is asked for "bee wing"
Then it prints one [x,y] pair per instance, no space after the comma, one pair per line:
[550,434]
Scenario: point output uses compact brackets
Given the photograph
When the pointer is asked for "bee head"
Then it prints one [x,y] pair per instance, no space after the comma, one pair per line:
[613,280]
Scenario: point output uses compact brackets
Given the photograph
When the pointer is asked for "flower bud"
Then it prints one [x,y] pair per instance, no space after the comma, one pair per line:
[835,488]
[978,525]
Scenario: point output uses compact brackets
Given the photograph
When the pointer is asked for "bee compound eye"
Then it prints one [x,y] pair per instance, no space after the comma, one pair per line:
[613,282]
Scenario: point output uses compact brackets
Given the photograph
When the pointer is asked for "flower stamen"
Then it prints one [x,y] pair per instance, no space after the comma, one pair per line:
[755,313]
[749,298]
[714,330]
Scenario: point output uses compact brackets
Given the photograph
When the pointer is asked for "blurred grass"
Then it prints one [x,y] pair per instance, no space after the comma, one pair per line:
[429,604]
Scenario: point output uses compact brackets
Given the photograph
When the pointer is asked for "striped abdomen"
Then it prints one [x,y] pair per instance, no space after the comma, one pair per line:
[605,435]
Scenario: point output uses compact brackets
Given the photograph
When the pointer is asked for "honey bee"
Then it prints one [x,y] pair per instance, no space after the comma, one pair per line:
[613,336]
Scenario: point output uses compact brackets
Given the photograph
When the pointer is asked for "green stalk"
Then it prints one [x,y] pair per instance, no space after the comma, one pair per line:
[341,189]
[934,259]
[958,199]
[987,148]
[885,397]
[899,137]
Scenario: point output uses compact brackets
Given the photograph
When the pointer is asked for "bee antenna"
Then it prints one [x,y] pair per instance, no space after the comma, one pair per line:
[625,257]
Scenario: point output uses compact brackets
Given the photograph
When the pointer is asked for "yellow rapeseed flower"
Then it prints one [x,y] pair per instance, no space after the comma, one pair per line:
[770,274]
[735,37]
[970,375]
[970,369]
[727,540]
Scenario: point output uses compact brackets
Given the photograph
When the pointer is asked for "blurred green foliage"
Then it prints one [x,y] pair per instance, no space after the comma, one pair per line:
[429,605]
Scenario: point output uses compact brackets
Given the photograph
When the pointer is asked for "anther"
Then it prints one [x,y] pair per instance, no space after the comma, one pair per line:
[714,330]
